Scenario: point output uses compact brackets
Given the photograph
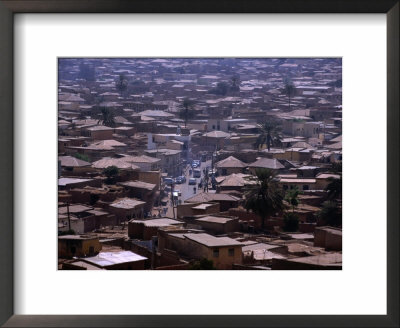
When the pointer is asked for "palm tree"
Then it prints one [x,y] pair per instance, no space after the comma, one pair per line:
[186,112]
[264,197]
[122,83]
[108,117]
[330,214]
[334,188]
[235,83]
[289,89]
[270,133]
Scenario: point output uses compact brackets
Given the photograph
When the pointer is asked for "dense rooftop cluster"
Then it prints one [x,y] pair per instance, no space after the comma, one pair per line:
[200,164]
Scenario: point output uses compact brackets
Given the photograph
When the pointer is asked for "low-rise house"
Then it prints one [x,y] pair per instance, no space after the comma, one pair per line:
[127,208]
[230,165]
[126,170]
[329,261]
[69,183]
[226,201]
[307,171]
[73,166]
[146,229]
[217,224]
[99,132]
[248,219]
[296,154]
[324,179]
[261,253]
[82,218]
[141,190]
[123,260]
[127,131]
[215,139]
[222,251]
[193,209]
[78,245]
[70,141]
[170,160]
[90,195]
[328,237]
[265,163]
[145,163]
[300,183]
[234,181]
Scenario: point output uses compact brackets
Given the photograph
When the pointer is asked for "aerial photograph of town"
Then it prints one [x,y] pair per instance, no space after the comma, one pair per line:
[199,163]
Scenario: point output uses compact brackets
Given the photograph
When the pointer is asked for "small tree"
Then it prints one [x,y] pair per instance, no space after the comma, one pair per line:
[292,197]
[330,214]
[337,167]
[334,188]
[203,264]
[67,232]
[222,89]
[82,157]
[290,222]
[111,172]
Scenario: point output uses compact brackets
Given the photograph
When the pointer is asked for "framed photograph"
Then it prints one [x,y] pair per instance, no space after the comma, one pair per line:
[181,164]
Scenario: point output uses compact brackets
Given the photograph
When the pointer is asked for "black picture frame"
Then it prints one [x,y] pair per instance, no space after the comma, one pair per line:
[7,199]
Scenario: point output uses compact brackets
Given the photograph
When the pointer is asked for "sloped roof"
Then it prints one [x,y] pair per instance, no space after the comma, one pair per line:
[157,222]
[207,197]
[337,145]
[71,97]
[127,203]
[139,184]
[104,259]
[267,163]
[235,180]
[141,159]
[70,161]
[154,113]
[215,219]
[118,162]
[302,144]
[109,143]
[230,162]
[211,241]
[337,139]
[217,134]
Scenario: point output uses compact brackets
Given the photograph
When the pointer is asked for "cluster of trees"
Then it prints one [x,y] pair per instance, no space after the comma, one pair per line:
[223,88]
[271,133]
[265,198]
[108,118]
[122,83]
[111,172]
[331,211]
[124,86]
